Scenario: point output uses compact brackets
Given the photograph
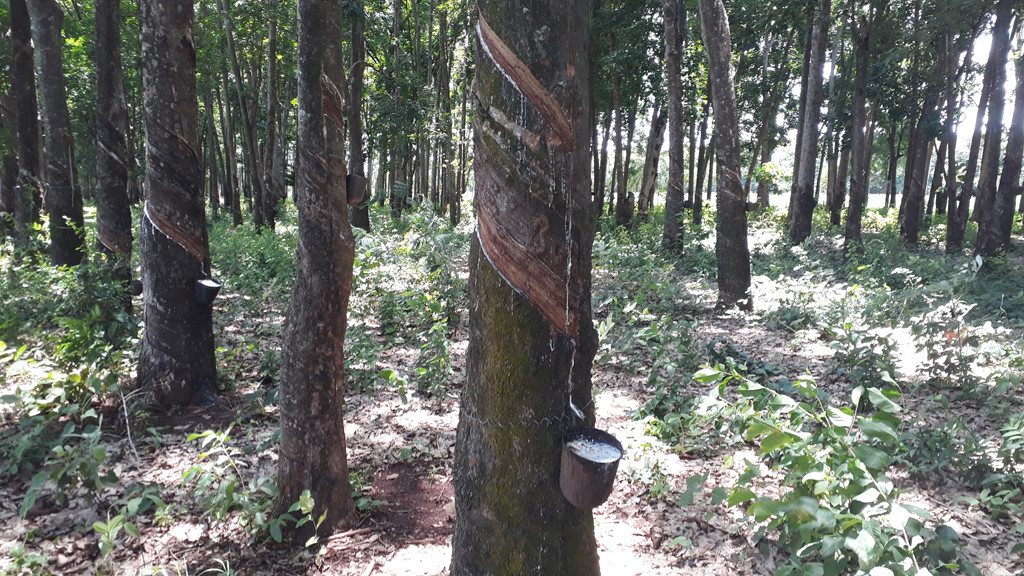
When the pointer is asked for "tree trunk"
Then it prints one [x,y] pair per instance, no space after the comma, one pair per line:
[912,205]
[703,164]
[273,190]
[63,196]
[176,364]
[531,350]
[113,213]
[860,167]
[232,189]
[27,192]
[212,155]
[989,167]
[731,249]
[655,139]
[312,455]
[625,205]
[250,151]
[934,195]
[957,222]
[997,219]
[674,21]
[810,107]
[360,212]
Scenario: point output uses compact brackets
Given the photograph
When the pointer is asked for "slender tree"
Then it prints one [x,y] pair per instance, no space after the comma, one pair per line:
[312,455]
[113,213]
[810,108]
[531,349]
[27,192]
[63,196]
[360,213]
[176,364]
[731,249]
[674,195]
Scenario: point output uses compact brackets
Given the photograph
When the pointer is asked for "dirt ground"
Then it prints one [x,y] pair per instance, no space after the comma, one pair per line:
[403,452]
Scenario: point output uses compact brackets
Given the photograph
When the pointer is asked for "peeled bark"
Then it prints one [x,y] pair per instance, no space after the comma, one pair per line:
[529,356]
[113,213]
[63,197]
[176,364]
[674,194]
[27,192]
[731,249]
[803,188]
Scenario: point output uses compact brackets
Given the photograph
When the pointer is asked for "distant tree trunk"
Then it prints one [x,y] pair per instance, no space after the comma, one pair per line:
[312,455]
[703,164]
[912,205]
[625,205]
[63,196]
[674,18]
[273,190]
[8,164]
[601,169]
[860,155]
[691,159]
[655,139]
[731,249]
[232,189]
[989,167]
[997,218]
[176,364]
[934,195]
[27,192]
[762,147]
[113,213]
[250,150]
[957,221]
[531,349]
[810,106]
[212,155]
[617,108]
[361,212]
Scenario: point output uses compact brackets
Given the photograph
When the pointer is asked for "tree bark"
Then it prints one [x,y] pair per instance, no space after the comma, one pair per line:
[176,364]
[731,249]
[212,163]
[273,190]
[27,192]
[113,213]
[361,212]
[312,455]
[531,349]
[655,139]
[997,219]
[672,236]
[232,189]
[912,204]
[810,108]
[63,197]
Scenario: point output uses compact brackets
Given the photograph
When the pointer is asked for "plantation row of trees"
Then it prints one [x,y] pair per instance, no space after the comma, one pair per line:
[283,88]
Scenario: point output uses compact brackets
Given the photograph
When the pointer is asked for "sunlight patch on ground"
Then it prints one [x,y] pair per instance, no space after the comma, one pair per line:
[420,560]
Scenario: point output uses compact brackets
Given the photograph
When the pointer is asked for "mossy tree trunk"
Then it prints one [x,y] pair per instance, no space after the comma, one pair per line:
[312,455]
[176,363]
[63,196]
[731,250]
[532,340]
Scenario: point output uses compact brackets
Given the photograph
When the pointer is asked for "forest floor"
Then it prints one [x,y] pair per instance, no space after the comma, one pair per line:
[400,450]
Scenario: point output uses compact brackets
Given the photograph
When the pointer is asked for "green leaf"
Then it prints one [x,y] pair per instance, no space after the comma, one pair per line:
[842,417]
[881,402]
[856,395]
[874,459]
[863,546]
[741,495]
[707,375]
[719,495]
[27,503]
[99,453]
[131,529]
[774,441]
[275,531]
[1018,548]
[878,429]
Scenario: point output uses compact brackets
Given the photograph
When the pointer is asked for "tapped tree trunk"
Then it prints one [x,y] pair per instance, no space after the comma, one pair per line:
[312,455]
[649,181]
[63,196]
[531,350]
[810,107]
[113,214]
[731,249]
[176,364]
[672,236]
[27,192]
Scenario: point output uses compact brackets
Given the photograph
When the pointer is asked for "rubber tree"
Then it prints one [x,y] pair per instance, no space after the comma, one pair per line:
[113,213]
[674,194]
[312,455]
[810,108]
[63,196]
[27,195]
[532,339]
[176,364]
[731,249]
